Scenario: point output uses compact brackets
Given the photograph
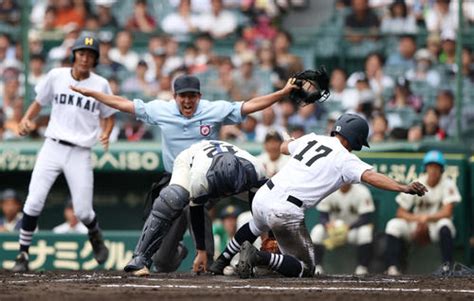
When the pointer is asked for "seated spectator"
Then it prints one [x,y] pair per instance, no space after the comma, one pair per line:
[267,124]
[305,116]
[262,29]
[225,228]
[245,84]
[10,12]
[434,210]
[439,17]
[361,23]
[182,22]
[137,84]
[35,43]
[433,44]
[204,44]
[36,69]
[164,90]
[2,123]
[380,130]
[92,23]
[10,221]
[158,64]
[284,110]
[296,131]
[267,62]
[174,60]
[219,23]
[404,59]
[11,89]
[403,97]
[141,20]
[468,64]
[12,122]
[378,80]
[424,71]
[399,20]
[333,116]
[134,130]
[71,224]
[123,52]
[271,158]
[69,12]
[222,85]
[107,67]
[104,14]
[448,49]
[63,51]
[287,61]
[338,87]
[351,206]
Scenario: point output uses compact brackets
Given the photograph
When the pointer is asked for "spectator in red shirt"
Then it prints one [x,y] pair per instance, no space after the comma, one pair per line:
[141,20]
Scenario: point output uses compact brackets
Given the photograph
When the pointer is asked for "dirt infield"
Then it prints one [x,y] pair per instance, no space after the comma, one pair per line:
[105,285]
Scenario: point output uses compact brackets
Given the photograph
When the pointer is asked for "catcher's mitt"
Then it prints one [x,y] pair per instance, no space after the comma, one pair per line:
[337,236]
[421,236]
[314,86]
[270,245]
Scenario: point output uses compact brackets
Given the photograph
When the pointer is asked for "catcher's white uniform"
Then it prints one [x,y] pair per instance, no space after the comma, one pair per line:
[445,192]
[347,207]
[318,166]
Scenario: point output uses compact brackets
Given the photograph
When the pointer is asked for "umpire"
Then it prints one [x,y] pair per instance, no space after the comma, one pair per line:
[184,121]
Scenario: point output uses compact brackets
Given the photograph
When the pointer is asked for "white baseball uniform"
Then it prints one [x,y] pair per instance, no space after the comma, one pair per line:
[191,165]
[445,192]
[318,166]
[73,129]
[347,207]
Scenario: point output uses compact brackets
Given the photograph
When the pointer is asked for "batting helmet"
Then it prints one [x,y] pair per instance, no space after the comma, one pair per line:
[86,42]
[435,157]
[354,128]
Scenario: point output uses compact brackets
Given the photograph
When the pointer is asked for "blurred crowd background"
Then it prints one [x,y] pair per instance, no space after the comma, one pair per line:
[392,61]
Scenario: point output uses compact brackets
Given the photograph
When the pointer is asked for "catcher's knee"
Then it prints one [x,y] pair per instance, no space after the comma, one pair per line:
[317,234]
[171,202]
[395,227]
[364,234]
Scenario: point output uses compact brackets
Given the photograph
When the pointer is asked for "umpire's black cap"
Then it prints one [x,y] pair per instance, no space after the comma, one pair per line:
[187,83]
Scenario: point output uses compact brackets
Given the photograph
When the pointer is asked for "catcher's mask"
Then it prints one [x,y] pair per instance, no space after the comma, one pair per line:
[314,86]
[354,128]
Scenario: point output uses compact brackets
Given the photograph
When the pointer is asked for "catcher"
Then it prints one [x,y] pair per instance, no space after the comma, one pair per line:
[345,217]
[427,218]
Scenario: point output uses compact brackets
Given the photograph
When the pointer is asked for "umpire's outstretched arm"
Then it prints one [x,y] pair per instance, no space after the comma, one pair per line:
[117,102]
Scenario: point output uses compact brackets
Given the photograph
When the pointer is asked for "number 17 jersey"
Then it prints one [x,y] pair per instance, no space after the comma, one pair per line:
[318,166]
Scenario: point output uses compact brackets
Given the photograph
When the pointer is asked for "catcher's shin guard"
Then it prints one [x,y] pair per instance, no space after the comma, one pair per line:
[154,230]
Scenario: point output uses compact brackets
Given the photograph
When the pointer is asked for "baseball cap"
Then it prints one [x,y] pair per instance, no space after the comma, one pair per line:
[448,35]
[10,194]
[229,210]
[423,54]
[186,83]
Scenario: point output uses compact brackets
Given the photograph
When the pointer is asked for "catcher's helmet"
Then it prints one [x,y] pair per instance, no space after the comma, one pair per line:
[86,42]
[354,128]
[435,157]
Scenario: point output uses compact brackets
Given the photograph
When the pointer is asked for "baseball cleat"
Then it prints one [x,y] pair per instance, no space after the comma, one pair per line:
[247,261]
[101,253]
[361,270]
[21,263]
[218,266]
[143,272]
[393,271]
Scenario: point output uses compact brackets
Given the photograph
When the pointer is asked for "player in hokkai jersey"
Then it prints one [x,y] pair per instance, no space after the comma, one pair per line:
[73,129]
[318,166]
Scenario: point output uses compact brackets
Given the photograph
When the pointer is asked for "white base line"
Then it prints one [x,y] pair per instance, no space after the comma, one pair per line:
[311,288]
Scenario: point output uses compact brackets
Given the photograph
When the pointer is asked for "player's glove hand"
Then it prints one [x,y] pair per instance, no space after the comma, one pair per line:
[270,245]
[313,86]
[337,236]
[416,188]
[200,262]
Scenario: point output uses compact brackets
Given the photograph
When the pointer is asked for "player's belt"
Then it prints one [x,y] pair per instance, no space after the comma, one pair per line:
[63,142]
[290,198]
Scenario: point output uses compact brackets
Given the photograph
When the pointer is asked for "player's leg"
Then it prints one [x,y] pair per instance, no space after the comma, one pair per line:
[80,179]
[317,237]
[396,230]
[46,170]
[171,251]
[443,231]
[363,236]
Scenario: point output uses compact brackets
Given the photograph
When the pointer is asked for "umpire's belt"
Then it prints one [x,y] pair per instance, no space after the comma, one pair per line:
[290,198]
[63,142]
